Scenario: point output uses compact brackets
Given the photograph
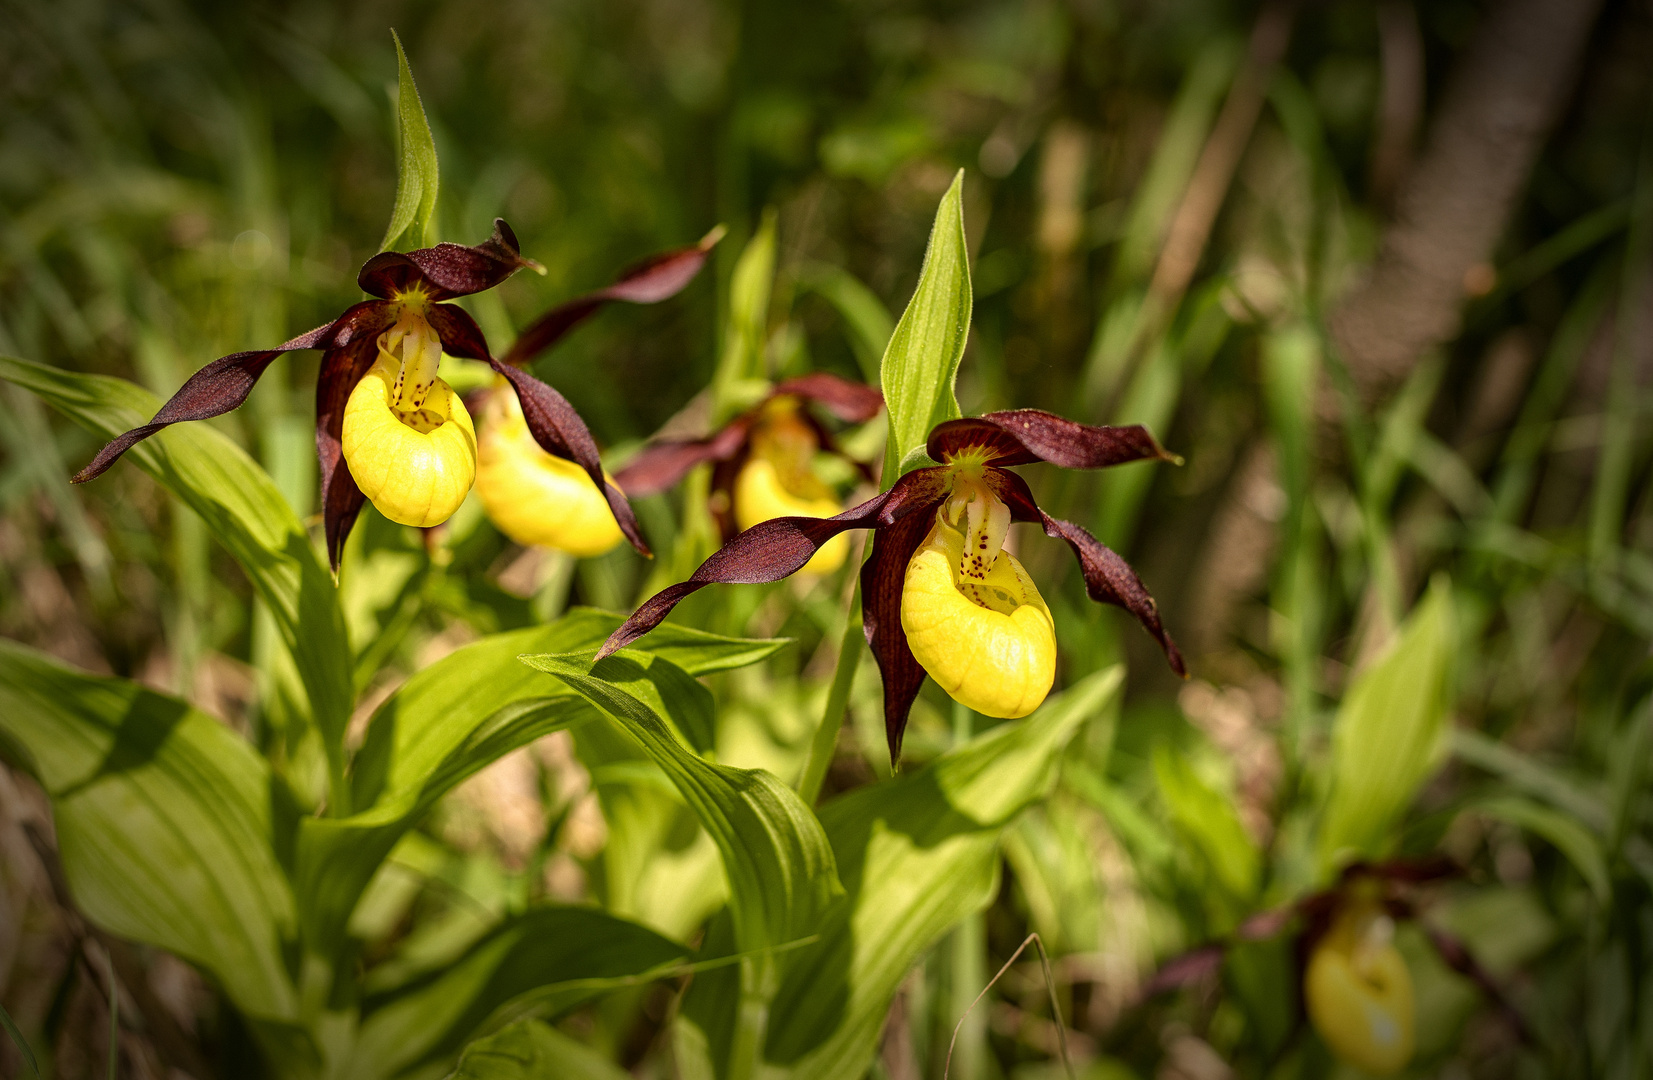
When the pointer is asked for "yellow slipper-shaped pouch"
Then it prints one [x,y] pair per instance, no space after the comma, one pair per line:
[415,464]
[1360,993]
[760,496]
[973,617]
[534,498]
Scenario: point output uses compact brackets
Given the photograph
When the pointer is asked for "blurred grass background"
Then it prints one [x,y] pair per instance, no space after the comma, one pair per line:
[179,181]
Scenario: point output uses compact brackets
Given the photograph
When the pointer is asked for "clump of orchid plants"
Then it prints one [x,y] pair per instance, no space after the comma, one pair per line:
[537,498]
[762,460]
[404,439]
[940,594]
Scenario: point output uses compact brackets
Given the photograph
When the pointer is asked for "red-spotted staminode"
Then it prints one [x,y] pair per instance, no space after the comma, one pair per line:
[940,595]
[762,460]
[382,411]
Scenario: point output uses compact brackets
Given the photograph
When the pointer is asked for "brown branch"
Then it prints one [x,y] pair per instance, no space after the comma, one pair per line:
[1455,203]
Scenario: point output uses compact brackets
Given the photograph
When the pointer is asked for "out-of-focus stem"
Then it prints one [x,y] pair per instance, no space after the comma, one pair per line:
[969,961]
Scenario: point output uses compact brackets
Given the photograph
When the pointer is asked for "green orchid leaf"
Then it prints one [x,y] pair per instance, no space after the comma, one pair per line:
[532,1050]
[917,855]
[1389,734]
[416,175]
[922,359]
[543,963]
[780,868]
[243,508]
[1206,819]
[167,823]
[457,716]
[1564,833]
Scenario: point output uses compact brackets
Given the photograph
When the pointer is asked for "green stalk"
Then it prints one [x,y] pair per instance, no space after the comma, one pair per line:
[825,740]
[969,961]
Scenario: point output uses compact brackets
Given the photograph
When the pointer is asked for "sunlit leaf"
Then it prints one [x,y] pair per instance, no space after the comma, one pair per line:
[416,174]
[1206,818]
[1389,733]
[543,963]
[917,854]
[923,356]
[167,822]
[531,1050]
[780,867]
[455,717]
[243,508]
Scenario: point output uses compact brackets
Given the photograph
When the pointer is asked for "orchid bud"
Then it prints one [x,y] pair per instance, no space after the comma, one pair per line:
[972,615]
[407,438]
[535,498]
[1360,993]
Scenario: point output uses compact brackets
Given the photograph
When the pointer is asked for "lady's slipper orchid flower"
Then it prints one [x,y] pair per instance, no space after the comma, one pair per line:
[1357,990]
[940,595]
[539,499]
[403,437]
[763,460]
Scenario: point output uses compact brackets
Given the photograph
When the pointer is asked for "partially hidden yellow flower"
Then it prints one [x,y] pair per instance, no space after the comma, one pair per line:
[779,480]
[973,617]
[407,437]
[535,498]
[1359,991]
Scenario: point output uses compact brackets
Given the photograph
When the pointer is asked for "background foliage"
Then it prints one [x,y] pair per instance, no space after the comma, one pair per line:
[1417,601]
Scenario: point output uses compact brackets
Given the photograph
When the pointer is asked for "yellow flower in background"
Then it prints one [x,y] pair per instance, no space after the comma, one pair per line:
[778,479]
[973,617]
[1359,991]
[407,438]
[535,498]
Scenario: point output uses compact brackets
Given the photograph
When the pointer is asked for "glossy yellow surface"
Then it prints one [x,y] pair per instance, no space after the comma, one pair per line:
[760,496]
[1360,993]
[973,617]
[534,498]
[416,465]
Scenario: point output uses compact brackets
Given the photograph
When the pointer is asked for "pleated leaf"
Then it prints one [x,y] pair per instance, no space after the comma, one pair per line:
[165,822]
[532,1050]
[782,880]
[243,508]
[917,854]
[455,717]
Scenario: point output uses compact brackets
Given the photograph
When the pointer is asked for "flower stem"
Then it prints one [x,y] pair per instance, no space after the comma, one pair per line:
[825,741]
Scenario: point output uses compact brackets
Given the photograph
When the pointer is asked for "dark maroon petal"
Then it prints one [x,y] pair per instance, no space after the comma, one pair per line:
[1192,967]
[1109,579]
[883,577]
[225,383]
[446,270]
[774,549]
[851,402]
[656,278]
[1023,436]
[553,422]
[1459,959]
[342,367]
[659,465]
